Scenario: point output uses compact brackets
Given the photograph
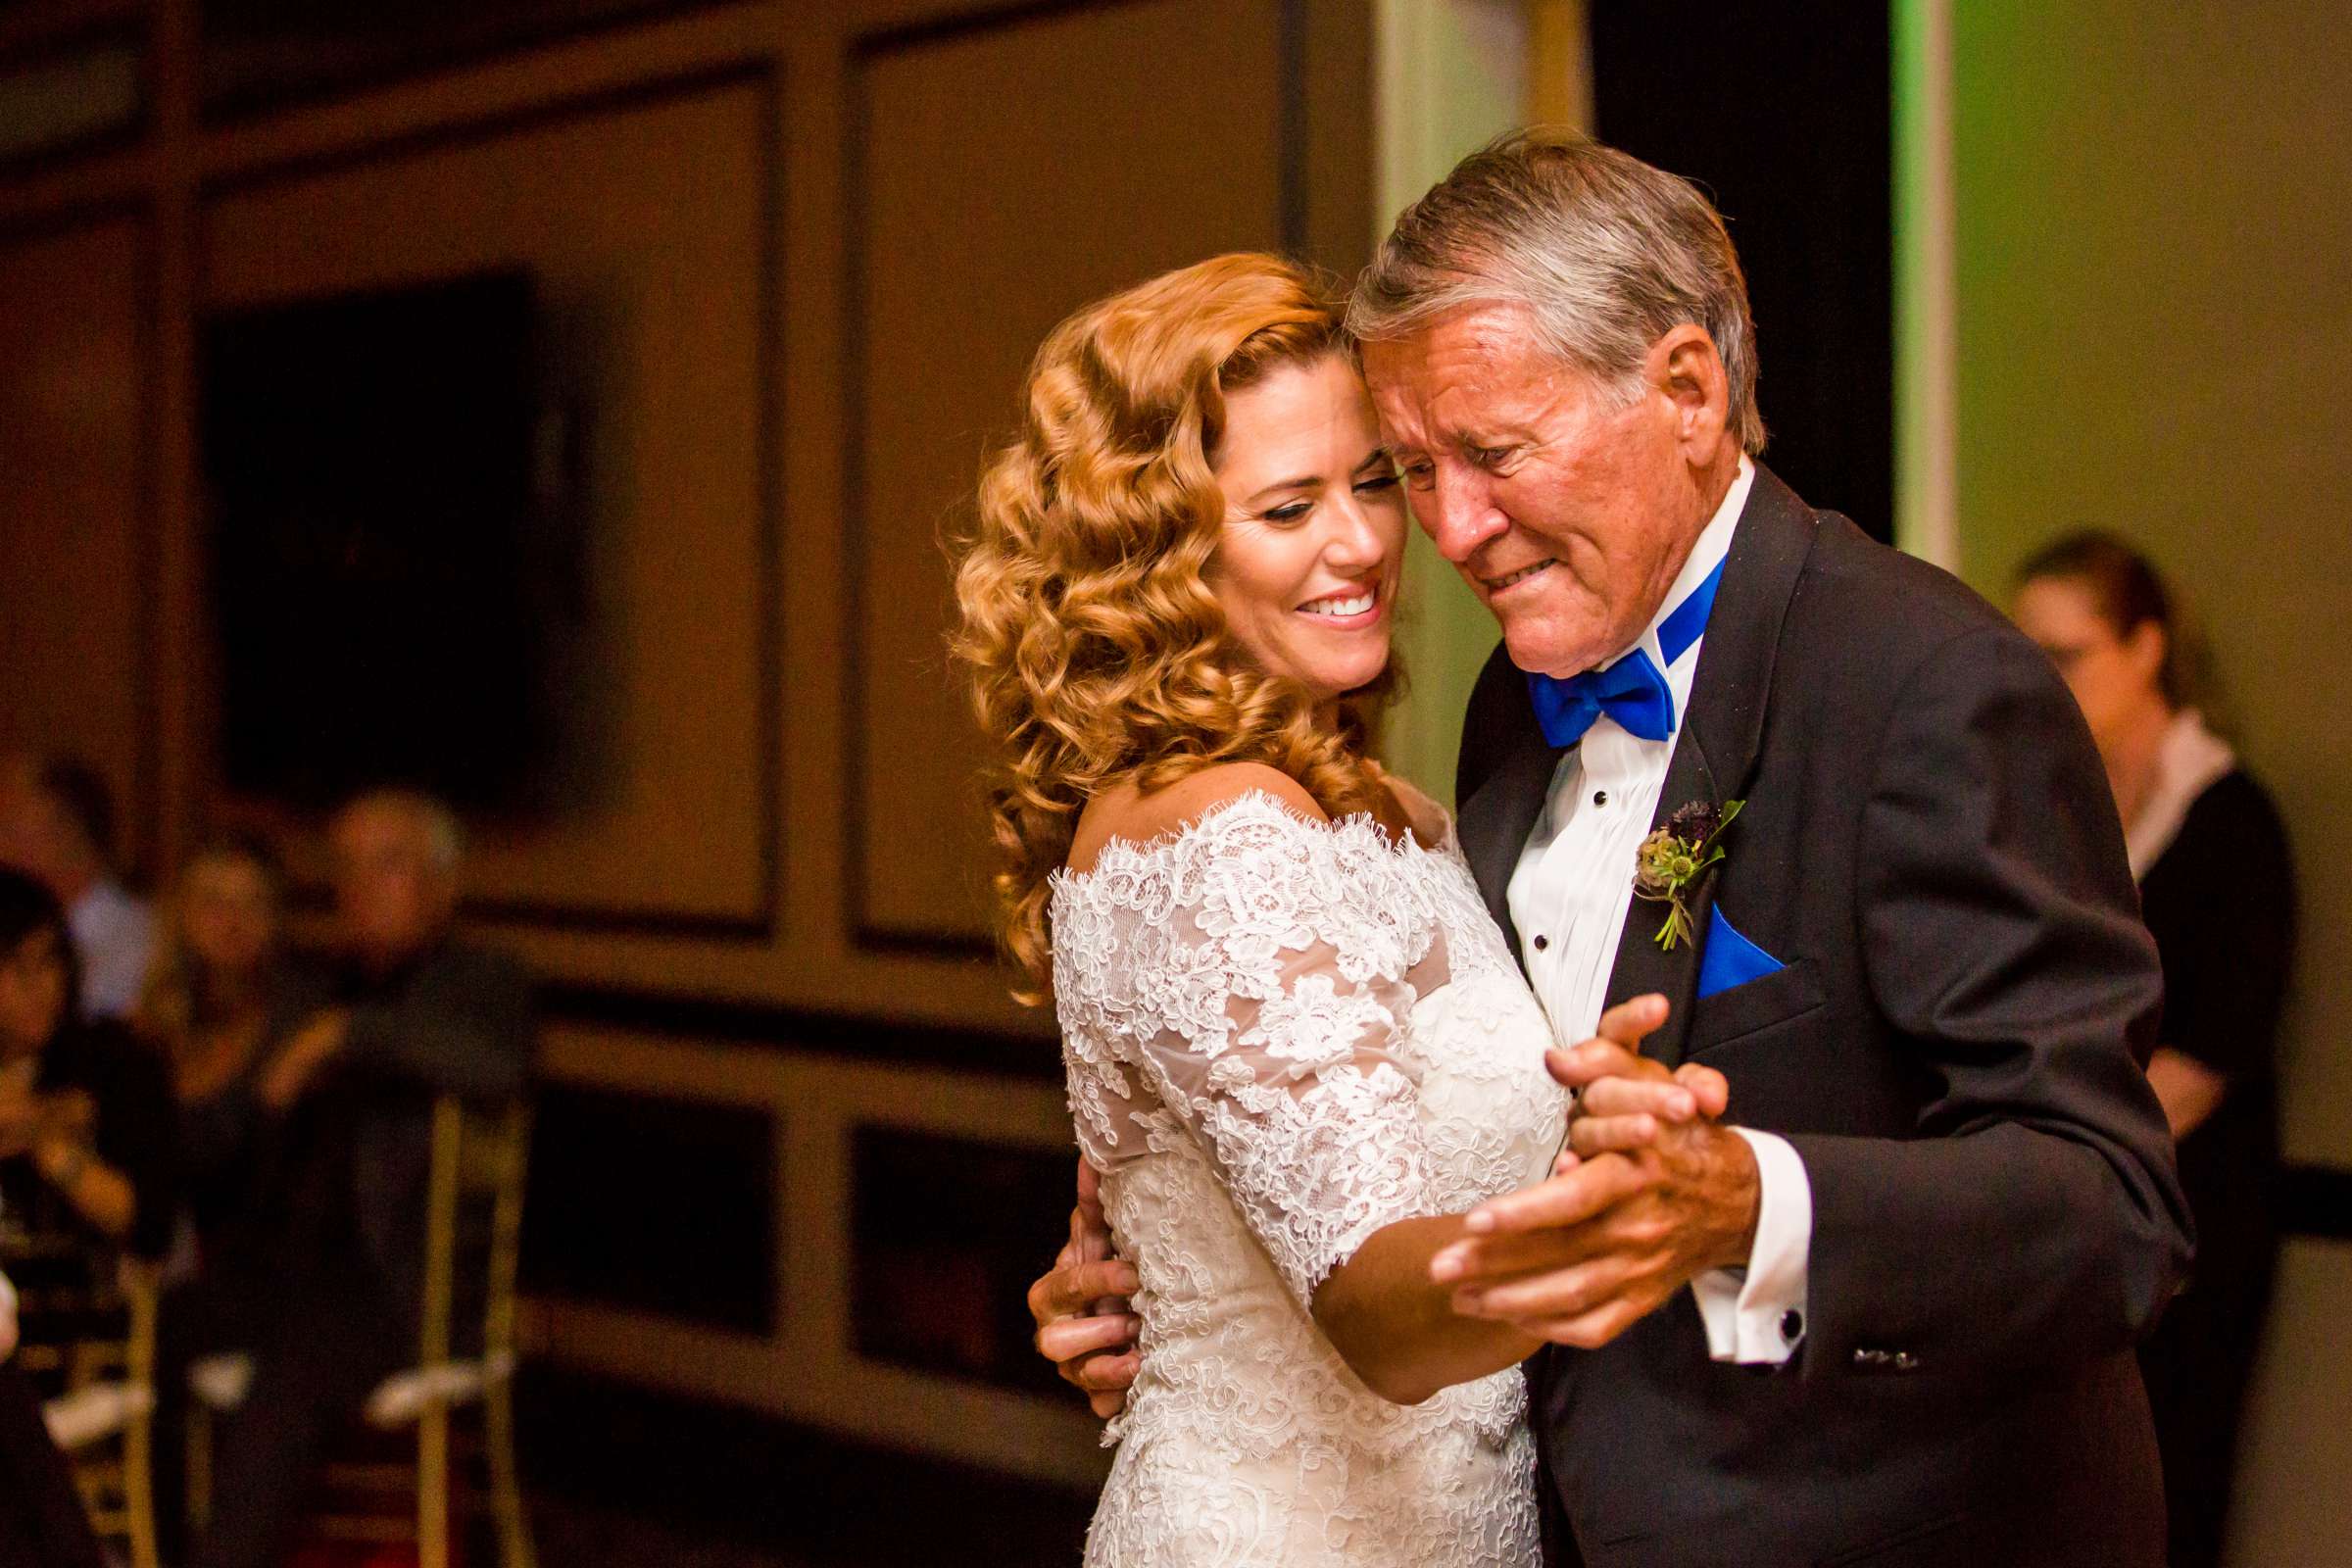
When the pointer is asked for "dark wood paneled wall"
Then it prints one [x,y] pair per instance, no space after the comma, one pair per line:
[75,465]
[985,198]
[797,258]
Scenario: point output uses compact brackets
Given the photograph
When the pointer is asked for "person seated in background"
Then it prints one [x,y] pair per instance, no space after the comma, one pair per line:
[87,1138]
[2217,890]
[42,1524]
[86,1174]
[418,1012]
[57,823]
[222,996]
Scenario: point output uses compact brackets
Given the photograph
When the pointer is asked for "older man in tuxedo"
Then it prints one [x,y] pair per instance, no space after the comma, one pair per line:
[1883,1311]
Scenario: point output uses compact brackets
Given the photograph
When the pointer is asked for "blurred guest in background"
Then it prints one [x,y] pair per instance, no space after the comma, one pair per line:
[2217,889]
[57,823]
[418,1013]
[222,996]
[86,1172]
[87,1147]
[41,1520]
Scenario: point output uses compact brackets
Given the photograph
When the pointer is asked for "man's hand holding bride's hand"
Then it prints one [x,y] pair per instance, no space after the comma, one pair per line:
[1083,1325]
[1650,1193]
[1622,1100]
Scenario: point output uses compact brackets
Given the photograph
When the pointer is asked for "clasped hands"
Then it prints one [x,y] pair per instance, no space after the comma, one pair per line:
[1650,1191]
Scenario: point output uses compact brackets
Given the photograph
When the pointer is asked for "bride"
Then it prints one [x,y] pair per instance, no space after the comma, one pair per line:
[1296,1045]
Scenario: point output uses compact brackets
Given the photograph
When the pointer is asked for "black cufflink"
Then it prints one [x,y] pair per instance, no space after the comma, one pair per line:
[1792,1326]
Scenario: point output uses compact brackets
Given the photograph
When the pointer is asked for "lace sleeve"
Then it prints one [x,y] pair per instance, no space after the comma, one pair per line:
[1292,957]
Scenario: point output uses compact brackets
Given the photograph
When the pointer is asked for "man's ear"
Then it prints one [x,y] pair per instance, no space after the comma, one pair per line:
[1684,367]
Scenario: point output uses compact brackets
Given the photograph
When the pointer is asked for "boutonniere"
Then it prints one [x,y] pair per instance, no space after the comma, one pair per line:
[1676,859]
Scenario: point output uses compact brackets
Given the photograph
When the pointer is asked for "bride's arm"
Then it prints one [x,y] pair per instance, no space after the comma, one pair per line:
[1275,1045]
[1399,1332]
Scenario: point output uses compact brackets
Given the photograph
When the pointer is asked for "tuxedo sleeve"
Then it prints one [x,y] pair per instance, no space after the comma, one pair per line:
[2034,1216]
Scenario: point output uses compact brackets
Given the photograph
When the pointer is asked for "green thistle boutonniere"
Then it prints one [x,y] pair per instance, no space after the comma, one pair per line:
[1675,860]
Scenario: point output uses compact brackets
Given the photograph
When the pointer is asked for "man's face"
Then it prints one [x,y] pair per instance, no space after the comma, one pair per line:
[392,897]
[1567,512]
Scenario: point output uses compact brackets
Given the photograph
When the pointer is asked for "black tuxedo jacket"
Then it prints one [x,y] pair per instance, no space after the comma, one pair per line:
[1929,848]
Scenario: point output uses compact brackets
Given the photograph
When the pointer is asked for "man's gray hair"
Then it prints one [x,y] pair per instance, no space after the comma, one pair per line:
[443,834]
[1604,252]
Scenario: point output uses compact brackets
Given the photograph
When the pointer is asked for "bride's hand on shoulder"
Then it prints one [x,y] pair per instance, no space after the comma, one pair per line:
[1080,1306]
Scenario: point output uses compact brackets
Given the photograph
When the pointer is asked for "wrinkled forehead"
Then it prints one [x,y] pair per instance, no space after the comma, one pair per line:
[1462,374]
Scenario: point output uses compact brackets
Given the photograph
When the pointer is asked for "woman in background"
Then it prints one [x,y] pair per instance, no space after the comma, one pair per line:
[86,1173]
[220,998]
[87,1138]
[2217,890]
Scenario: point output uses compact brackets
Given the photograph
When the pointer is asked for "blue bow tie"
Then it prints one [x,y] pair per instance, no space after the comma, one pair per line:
[1632,691]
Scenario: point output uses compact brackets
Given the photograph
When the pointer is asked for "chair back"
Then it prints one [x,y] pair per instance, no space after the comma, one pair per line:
[474,1232]
[89,1326]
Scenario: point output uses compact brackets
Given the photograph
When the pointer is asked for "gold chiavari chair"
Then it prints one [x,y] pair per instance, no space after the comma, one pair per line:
[103,1416]
[480,1162]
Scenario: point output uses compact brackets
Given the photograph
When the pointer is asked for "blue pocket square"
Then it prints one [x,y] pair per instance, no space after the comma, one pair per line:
[1729,959]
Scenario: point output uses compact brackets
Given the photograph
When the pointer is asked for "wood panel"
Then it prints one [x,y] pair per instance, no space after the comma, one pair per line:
[644,226]
[73,515]
[803,254]
[1004,175]
[811,1367]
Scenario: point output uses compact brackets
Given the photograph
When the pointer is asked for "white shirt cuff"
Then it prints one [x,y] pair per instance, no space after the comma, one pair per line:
[1756,1315]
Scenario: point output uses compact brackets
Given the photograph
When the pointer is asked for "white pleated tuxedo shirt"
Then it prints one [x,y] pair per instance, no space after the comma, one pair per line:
[1569,899]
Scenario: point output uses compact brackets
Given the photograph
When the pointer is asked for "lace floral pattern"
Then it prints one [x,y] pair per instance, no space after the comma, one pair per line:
[1281,1035]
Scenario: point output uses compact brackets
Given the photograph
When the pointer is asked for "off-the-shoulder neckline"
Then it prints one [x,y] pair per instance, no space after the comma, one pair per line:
[1120,846]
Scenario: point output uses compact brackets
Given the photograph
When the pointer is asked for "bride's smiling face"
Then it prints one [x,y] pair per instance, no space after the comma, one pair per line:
[1313,542]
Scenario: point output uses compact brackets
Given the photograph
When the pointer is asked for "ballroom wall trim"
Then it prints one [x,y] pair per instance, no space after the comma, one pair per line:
[760,75]
[765,1004]
[951,928]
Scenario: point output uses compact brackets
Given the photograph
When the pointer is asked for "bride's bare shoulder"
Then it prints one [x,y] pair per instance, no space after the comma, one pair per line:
[1124,812]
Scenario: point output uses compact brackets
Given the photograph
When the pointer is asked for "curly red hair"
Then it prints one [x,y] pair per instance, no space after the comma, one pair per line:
[1097,652]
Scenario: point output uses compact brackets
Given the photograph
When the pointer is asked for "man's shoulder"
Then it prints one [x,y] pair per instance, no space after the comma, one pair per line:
[1875,616]
[1873,582]
[477,966]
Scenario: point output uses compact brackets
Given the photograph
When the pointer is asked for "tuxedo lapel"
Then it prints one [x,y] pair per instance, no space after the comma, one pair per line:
[1494,822]
[1715,749]
[1642,967]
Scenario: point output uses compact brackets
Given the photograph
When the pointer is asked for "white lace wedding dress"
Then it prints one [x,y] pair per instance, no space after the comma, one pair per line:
[1281,1035]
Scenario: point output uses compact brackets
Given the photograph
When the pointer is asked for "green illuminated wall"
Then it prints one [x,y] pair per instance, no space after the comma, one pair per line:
[2151,272]
[2154,287]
